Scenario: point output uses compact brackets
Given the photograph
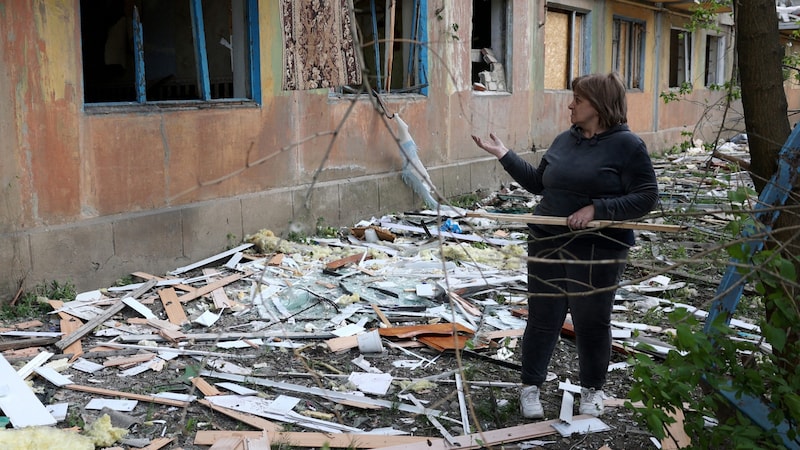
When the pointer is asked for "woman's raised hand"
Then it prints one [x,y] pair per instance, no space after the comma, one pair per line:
[494,147]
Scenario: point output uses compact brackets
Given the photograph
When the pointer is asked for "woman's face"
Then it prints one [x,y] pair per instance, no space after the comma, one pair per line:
[583,113]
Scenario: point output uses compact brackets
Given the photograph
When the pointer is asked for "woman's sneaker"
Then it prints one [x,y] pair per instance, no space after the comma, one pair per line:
[591,401]
[529,405]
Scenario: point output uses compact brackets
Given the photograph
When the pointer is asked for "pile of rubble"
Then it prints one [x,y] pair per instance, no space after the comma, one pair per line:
[357,340]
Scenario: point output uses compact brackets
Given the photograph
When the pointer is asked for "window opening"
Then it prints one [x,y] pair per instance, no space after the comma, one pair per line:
[491,49]
[627,51]
[394,62]
[153,51]
[566,47]
[715,60]
[680,58]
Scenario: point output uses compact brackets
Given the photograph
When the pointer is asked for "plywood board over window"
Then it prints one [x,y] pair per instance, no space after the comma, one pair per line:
[565,37]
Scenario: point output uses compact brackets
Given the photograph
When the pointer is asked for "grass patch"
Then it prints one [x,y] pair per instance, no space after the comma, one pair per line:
[30,304]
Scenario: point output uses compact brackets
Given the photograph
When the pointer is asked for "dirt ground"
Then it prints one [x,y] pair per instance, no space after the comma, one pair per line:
[495,407]
[491,385]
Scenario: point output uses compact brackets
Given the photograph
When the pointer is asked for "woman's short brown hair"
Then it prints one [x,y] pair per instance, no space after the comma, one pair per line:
[606,93]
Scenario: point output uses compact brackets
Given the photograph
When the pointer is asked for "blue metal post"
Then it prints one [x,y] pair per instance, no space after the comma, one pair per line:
[730,289]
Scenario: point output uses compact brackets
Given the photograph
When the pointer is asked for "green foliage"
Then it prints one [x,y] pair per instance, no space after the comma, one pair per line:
[704,14]
[191,425]
[489,409]
[675,94]
[30,305]
[324,230]
[74,419]
[233,241]
[703,364]
[791,60]
[465,201]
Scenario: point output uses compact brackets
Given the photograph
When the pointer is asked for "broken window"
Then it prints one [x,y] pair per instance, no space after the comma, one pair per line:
[565,38]
[627,51]
[491,44]
[680,57]
[715,60]
[402,69]
[145,51]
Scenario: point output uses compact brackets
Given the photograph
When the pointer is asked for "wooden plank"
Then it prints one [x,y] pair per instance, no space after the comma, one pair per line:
[172,306]
[218,296]
[261,443]
[342,343]
[346,260]
[146,276]
[69,324]
[676,436]
[232,335]
[254,421]
[158,443]
[229,443]
[18,401]
[128,395]
[25,343]
[501,334]
[381,316]
[172,335]
[552,220]
[205,387]
[129,360]
[488,439]
[405,332]
[99,319]
[314,439]
[161,324]
[27,324]
[210,287]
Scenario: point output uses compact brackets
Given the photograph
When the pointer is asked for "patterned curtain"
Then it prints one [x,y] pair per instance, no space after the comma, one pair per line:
[318,49]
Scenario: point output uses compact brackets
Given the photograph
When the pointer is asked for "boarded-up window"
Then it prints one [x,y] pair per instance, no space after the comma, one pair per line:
[564,43]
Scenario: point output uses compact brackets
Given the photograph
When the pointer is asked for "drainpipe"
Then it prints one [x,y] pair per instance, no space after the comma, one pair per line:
[657,69]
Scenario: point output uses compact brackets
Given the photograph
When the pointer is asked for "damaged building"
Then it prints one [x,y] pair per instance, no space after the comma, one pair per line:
[139,133]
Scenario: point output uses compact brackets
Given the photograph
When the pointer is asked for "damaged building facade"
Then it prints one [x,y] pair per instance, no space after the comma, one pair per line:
[141,133]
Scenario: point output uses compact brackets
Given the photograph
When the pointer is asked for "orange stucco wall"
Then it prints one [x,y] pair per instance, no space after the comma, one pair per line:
[93,194]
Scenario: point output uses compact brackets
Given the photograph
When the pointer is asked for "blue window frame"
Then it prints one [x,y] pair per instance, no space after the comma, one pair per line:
[149,51]
[395,62]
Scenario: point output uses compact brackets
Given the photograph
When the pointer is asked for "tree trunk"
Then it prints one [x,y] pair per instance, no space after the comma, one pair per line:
[763,98]
[765,114]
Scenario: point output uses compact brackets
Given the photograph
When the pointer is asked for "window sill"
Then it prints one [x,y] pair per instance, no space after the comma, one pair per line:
[491,93]
[178,105]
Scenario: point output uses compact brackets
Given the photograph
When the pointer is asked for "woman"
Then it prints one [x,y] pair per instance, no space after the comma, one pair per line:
[596,170]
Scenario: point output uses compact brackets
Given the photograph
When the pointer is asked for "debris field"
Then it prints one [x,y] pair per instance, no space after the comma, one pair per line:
[398,332]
